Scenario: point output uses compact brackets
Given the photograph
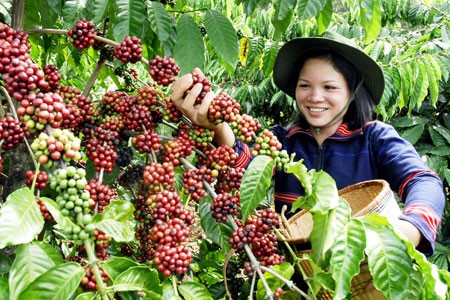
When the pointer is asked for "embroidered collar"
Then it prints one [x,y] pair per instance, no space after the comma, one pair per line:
[342,133]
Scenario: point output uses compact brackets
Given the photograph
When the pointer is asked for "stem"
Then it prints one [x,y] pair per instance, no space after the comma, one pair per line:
[174,284]
[255,264]
[93,263]
[289,283]
[94,75]
[252,287]
[36,174]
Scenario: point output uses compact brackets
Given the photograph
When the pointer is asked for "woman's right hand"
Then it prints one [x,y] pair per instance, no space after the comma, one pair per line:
[198,114]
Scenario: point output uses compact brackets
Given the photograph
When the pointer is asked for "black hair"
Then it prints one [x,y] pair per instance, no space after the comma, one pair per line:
[360,110]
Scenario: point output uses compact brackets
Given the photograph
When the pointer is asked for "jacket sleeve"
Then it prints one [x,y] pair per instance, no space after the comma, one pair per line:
[420,188]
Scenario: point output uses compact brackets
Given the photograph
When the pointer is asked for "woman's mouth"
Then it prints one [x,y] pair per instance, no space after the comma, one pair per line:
[317,109]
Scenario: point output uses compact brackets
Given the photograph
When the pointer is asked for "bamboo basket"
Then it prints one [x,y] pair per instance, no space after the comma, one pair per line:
[364,198]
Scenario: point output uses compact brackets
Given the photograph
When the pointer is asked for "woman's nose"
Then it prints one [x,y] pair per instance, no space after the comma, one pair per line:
[315,95]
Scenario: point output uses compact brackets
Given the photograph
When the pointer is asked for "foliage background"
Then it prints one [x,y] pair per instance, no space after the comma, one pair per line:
[235,43]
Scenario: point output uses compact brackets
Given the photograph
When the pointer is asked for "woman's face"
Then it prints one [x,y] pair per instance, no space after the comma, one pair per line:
[321,93]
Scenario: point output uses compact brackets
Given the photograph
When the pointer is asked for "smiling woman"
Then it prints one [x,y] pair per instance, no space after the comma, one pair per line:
[336,87]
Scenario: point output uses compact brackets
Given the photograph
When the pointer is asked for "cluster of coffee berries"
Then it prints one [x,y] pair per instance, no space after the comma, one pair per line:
[147,141]
[52,77]
[101,148]
[41,179]
[193,182]
[159,176]
[148,96]
[100,193]
[82,34]
[230,180]
[181,147]
[130,50]
[163,70]
[223,109]
[44,211]
[202,136]
[266,143]
[12,133]
[222,158]
[60,144]
[225,204]
[23,76]
[245,127]
[172,260]
[257,233]
[41,109]
[89,283]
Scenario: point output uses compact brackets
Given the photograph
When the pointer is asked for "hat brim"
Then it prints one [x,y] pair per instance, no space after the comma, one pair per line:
[285,72]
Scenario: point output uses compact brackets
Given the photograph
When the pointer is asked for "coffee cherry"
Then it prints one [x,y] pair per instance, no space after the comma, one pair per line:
[163,70]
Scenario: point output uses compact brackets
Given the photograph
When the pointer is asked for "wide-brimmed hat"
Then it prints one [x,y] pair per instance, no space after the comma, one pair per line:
[285,72]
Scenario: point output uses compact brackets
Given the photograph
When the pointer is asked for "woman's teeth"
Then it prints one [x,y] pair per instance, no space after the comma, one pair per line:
[317,109]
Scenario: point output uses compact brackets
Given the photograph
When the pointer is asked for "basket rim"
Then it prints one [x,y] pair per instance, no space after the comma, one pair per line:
[383,188]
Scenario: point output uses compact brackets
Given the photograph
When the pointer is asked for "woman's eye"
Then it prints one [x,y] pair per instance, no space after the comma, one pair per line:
[302,86]
[329,87]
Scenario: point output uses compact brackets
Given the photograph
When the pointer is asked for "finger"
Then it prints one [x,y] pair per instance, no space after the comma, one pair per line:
[179,87]
[198,72]
[189,100]
[369,287]
[204,107]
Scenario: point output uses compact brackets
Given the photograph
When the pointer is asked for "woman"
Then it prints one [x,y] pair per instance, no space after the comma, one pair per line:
[336,87]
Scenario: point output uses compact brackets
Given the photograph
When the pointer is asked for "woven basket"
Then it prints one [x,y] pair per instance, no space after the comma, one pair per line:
[364,198]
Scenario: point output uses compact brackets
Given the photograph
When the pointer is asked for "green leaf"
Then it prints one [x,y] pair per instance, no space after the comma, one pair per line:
[371,13]
[60,282]
[325,192]
[284,10]
[433,77]
[72,10]
[299,170]
[255,182]
[189,49]
[128,20]
[256,50]
[115,265]
[216,231]
[20,218]
[434,287]
[438,139]
[322,235]
[347,254]
[98,8]
[4,287]
[86,296]
[310,8]
[118,210]
[223,37]
[444,132]
[139,278]
[406,82]
[118,231]
[5,264]
[31,261]
[194,291]
[324,17]
[443,150]
[413,133]
[409,121]
[420,90]
[270,54]
[387,256]
[160,20]
[53,208]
